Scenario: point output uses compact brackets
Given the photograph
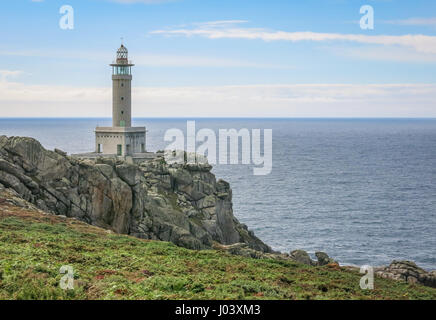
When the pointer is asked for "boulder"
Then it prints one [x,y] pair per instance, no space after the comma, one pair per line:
[323,258]
[302,256]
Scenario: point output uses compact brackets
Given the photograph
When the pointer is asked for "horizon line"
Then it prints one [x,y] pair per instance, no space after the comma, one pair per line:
[202,117]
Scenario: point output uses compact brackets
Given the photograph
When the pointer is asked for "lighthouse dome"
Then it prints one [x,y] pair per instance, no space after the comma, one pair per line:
[122,53]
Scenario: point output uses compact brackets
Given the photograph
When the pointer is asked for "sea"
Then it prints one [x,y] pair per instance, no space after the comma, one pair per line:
[361,190]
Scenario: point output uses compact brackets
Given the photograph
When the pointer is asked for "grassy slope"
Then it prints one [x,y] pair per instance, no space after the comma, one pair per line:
[34,246]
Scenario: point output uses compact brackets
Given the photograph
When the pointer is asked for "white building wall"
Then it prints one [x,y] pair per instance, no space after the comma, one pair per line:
[131,142]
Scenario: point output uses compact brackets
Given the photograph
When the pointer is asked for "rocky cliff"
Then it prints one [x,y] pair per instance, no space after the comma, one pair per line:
[183,204]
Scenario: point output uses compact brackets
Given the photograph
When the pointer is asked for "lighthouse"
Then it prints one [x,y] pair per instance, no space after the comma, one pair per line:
[121,140]
[122,89]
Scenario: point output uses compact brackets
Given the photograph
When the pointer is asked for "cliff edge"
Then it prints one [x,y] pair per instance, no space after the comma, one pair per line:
[183,204]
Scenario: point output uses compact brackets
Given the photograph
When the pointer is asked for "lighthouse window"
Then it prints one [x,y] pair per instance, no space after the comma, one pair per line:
[122,70]
[122,112]
[122,84]
[122,98]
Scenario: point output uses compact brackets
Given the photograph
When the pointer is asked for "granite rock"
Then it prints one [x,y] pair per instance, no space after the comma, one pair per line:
[181,203]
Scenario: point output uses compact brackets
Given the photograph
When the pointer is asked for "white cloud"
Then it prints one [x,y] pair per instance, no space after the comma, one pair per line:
[299,100]
[419,42]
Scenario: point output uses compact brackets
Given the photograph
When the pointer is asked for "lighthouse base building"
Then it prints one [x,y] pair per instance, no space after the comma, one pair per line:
[121,140]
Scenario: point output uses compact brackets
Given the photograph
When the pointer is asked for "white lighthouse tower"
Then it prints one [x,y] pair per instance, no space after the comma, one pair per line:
[121,139]
[122,89]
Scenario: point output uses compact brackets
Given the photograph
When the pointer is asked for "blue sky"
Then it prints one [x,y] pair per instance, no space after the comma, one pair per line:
[221,58]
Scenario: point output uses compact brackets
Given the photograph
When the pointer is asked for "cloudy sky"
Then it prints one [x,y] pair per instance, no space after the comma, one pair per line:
[220,58]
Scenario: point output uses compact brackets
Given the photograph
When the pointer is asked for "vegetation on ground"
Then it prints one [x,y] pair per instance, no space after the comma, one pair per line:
[34,246]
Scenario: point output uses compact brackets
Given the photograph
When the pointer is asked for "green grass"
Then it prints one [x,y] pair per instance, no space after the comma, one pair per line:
[34,246]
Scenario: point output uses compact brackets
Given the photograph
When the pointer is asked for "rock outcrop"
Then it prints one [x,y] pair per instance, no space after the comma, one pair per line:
[407,271]
[302,257]
[243,249]
[183,204]
[324,259]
